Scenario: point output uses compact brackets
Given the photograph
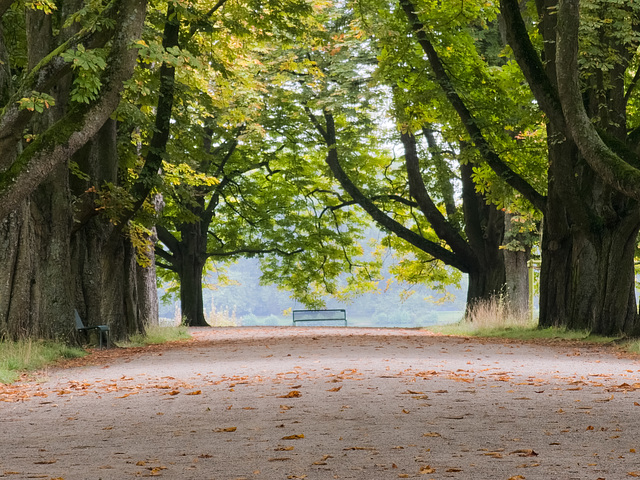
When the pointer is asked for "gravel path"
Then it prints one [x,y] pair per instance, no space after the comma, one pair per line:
[324,403]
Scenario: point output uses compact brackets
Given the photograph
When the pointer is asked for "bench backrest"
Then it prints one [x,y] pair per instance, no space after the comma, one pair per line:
[79,324]
[328,315]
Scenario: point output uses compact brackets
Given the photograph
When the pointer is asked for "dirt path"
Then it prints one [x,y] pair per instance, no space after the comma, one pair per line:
[323,403]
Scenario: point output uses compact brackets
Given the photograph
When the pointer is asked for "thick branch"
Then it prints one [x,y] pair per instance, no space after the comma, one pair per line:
[43,77]
[443,172]
[469,122]
[418,191]
[166,237]
[254,251]
[531,64]
[432,248]
[158,145]
[68,135]
[609,166]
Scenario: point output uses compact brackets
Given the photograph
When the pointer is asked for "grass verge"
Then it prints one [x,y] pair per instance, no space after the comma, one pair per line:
[156,335]
[527,332]
[494,318]
[28,355]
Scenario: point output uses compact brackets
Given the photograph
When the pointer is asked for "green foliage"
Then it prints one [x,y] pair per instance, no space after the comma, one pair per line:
[37,102]
[87,65]
[46,6]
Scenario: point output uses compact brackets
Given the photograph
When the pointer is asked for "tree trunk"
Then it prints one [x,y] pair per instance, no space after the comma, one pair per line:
[111,287]
[190,267]
[587,278]
[516,273]
[191,300]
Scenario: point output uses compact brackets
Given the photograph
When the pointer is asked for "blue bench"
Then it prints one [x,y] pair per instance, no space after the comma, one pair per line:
[103,330]
[329,315]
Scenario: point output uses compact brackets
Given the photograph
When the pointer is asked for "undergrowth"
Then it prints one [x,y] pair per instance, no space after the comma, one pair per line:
[156,335]
[28,355]
[494,318]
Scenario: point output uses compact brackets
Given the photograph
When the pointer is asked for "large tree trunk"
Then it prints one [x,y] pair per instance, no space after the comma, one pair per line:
[191,262]
[587,278]
[516,278]
[111,287]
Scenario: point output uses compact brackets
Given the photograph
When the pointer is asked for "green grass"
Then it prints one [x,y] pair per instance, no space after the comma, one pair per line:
[28,355]
[157,335]
[520,332]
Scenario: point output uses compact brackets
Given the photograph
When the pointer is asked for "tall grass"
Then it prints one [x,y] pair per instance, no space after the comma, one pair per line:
[28,355]
[155,335]
[495,318]
[221,318]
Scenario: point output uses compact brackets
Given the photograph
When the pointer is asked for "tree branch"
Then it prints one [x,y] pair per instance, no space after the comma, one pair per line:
[531,64]
[469,122]
[254,251]
[432,248]
[610,167]
[58,143]
[418,191]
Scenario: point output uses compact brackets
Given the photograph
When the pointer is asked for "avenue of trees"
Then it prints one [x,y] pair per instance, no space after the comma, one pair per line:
[147,141]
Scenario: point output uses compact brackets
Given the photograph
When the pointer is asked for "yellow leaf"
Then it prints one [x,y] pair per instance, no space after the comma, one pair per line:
[283,449]
[195,392]
[336,389]
[292,394]
[426,469]
[431,434]
[293,437]
[228,429]
[517,477]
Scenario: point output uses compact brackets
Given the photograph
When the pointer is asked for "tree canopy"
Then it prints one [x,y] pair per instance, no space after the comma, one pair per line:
[178,134]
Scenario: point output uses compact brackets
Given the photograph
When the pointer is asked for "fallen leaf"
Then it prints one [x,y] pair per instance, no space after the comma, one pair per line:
[286,407]
[426,469]
[293,437]
[405,411]
[45,462]
[195,392]
[525,452]
[431,434]
[292,394]
[323,460]
[279,459]
[228,429]
[412,392]
[173,392]
[517,477]
[336,389]
[453,470]
[283,449]
[359,448]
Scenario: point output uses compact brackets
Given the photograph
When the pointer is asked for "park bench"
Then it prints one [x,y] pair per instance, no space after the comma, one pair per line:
[330,315]
[103,330]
